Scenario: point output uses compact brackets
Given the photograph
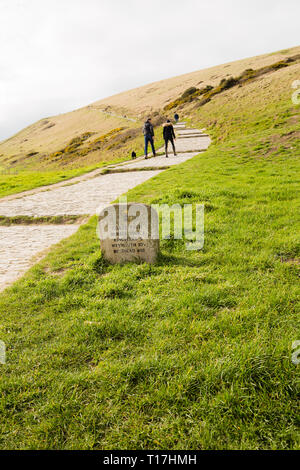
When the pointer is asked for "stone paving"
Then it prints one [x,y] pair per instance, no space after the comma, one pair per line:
[86,195]
[187,131]
[77,199]
[192,144]
[19,244]
[160,161]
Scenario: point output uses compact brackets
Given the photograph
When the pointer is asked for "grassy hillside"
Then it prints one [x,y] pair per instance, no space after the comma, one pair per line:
[70,144]
[195,351]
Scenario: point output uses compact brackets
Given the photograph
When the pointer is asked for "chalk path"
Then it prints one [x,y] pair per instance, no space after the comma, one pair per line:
[20,245]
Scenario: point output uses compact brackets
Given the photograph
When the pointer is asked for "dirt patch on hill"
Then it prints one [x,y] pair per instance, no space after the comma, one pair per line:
[282,141]
[292,261]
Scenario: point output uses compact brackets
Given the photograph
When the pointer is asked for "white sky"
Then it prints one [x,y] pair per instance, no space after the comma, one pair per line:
[58,55]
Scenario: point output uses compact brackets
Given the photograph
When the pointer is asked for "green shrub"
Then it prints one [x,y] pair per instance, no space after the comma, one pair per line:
[189,91]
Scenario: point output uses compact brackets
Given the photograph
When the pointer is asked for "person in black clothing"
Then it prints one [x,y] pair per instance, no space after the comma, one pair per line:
[169,135]
[149,137]
[176,117]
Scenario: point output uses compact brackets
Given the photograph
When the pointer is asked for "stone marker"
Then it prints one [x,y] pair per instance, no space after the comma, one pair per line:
[129,233]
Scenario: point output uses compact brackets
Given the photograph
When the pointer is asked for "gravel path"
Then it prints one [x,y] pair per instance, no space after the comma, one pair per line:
[85,195]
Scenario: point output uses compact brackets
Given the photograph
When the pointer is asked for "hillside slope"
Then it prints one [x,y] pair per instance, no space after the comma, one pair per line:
[49,143]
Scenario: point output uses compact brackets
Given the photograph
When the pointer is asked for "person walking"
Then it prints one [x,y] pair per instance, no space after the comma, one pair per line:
[176,117]
[169,135]
[149,137]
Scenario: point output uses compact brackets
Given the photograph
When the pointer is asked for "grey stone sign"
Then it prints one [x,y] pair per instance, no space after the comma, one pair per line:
[129,233]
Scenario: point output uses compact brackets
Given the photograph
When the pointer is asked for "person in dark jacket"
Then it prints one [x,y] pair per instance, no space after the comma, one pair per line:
[149,137]
[169,135]
[176,117]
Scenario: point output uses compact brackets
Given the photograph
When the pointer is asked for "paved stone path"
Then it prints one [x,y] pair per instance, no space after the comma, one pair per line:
[19,244]
[77,199]
[160,161]
[84,195]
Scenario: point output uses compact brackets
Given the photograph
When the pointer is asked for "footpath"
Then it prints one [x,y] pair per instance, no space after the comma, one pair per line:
[86,195]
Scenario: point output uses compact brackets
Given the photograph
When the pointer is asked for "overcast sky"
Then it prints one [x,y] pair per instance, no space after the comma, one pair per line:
[58,55]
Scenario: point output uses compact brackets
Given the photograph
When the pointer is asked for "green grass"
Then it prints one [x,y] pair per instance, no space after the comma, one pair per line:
[193,352]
